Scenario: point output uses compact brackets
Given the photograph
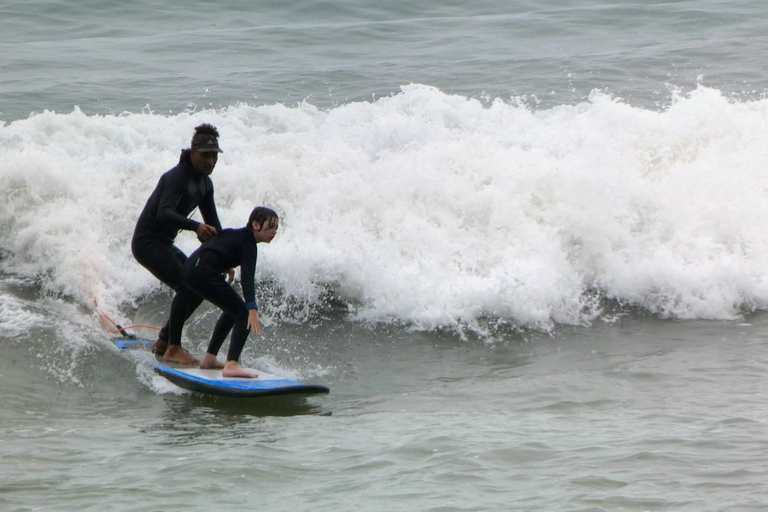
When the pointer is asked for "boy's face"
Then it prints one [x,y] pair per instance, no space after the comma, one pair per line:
[266,233]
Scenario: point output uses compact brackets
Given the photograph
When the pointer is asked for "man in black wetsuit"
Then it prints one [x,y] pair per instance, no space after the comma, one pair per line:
[179,191]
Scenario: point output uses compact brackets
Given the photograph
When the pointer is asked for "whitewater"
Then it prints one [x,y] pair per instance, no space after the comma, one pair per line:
[422,208]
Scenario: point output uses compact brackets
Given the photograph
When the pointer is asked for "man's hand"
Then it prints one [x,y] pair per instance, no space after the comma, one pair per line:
[230,275]
[205,232]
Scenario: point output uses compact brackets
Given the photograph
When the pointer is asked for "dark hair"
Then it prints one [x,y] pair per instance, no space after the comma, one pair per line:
[206,129]
[263,216]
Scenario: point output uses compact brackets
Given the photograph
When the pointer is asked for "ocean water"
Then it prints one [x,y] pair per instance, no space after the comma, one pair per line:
[524,243]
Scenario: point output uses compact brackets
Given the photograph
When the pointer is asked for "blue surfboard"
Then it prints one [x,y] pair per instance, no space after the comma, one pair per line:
[211,382]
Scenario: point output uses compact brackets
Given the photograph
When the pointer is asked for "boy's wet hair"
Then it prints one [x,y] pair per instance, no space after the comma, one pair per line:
[263,215]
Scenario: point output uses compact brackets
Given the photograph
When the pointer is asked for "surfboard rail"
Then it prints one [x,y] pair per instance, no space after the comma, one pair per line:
[211,382]
[236,387]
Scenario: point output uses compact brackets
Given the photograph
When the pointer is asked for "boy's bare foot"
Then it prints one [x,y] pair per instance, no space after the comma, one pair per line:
[177,355]
[209,362]
[159,347]
[232,369]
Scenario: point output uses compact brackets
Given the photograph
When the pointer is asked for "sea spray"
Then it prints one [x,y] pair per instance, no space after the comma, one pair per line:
[422,208]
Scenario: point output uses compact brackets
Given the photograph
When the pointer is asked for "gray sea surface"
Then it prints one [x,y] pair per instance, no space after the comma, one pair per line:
[639,415]
[169,56]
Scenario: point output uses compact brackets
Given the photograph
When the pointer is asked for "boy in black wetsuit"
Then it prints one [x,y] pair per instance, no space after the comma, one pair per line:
[203,277]
[178,192]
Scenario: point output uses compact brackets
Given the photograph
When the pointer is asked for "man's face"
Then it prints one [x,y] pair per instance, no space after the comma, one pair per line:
[204,162]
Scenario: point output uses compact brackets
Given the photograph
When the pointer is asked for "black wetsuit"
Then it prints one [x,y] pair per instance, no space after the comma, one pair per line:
[178,192]
[204,277]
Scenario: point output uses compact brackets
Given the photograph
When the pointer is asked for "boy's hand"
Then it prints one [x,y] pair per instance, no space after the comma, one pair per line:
[253,321]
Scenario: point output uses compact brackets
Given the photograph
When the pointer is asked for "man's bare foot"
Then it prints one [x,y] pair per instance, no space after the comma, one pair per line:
[232,369]
[160,347]
[209,362]
[177,355]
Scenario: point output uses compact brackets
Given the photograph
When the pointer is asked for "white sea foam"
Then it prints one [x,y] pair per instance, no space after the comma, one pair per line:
[424,208]
[299,372]
[16,318]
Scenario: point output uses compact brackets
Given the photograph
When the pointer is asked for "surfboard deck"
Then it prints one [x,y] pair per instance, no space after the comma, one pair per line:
[211,382]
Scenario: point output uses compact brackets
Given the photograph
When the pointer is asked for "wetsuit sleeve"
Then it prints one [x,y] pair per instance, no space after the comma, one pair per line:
[247,274]
[174,188]
[208,208]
